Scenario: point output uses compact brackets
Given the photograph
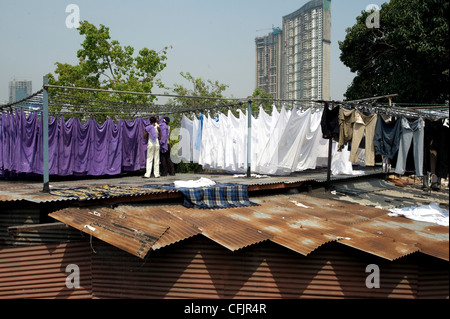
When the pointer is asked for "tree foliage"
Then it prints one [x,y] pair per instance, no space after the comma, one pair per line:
[198,87]
[105,64]
[258,93]
[195,87]
[407,55]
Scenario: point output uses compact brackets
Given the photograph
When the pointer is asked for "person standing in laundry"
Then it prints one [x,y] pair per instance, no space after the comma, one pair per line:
[166,163]
[153,133]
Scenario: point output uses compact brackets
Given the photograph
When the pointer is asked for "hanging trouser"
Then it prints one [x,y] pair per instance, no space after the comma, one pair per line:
[364,125]
[152,159]
[387,137]
[346,122]
[167,166]
[411,131]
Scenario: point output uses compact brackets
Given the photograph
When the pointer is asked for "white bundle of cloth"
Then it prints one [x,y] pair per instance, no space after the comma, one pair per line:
[431,213]
[201,182]
[283,142]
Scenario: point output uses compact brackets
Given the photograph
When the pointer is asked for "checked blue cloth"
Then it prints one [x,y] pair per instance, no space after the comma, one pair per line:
[221,195]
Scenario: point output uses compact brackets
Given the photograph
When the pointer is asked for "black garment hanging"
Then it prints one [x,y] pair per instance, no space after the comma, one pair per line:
[330,122]
[436,144]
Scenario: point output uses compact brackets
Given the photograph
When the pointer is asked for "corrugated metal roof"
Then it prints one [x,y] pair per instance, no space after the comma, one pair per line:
[299,222]
[307,227]
[178,230]
[39,271]
[126,232]
[428,238]
[32,190]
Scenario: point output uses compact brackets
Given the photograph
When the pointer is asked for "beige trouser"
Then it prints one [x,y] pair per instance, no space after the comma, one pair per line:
[346,122]
[364,125]
[152,159]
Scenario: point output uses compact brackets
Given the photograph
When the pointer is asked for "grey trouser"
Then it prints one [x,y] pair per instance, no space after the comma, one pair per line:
[411,131]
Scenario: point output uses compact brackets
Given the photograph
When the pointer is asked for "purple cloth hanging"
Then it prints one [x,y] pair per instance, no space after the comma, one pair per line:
[164,142]
[74,148]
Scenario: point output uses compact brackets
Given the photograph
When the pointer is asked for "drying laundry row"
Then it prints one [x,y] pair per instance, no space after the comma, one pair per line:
[75,148]
[282,142]
[391,137]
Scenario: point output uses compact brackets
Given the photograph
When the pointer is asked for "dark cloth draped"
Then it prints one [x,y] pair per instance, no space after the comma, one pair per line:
[330,122]
[387,137]
[436,142]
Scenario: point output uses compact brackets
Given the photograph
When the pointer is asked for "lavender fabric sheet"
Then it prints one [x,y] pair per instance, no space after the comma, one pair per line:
[74,148]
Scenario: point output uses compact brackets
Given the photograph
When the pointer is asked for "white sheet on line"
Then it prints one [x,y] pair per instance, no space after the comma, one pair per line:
[282,142]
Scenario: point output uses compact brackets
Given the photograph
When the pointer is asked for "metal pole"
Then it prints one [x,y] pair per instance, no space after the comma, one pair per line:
[330,147]
[249,138]
[46,188]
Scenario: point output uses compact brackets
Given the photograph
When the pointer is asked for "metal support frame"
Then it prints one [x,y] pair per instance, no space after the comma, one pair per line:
[45,158]
[249,138]
[330,148]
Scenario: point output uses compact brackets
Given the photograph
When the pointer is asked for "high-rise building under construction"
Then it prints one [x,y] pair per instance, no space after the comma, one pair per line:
[294,62]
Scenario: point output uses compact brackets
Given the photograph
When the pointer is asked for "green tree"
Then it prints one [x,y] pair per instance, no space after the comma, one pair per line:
[105,64]
[185,102]
[212,90]
[258,93]
[407,55]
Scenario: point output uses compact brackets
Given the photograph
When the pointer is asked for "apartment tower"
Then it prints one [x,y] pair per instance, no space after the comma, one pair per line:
[269,50]
[19,90]
[304,63]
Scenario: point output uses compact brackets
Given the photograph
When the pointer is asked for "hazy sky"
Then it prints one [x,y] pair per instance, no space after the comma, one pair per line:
[211,39]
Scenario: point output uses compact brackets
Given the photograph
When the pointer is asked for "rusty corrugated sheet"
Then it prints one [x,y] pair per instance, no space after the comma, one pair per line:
[433,283]
[39,271]
[182,270]
[284,226]
[215,225]
[429,238]
[23,215]
[32,191]
[299,228]
[200,268]
[298,222]
[126,232]
[178,230]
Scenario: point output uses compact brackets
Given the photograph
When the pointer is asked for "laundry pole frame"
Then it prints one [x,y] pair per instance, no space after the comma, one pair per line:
[45,157]
[45,114]
[249,138]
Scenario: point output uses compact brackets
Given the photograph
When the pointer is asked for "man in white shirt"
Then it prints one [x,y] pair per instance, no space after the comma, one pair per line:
[154,135]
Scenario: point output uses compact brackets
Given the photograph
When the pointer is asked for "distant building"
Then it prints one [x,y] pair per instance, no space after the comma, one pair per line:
[19,90]
[269,50]
[304,65]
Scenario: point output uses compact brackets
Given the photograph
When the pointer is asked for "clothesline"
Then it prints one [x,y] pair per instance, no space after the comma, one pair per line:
[41,100]
[292,140]
[70,101]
